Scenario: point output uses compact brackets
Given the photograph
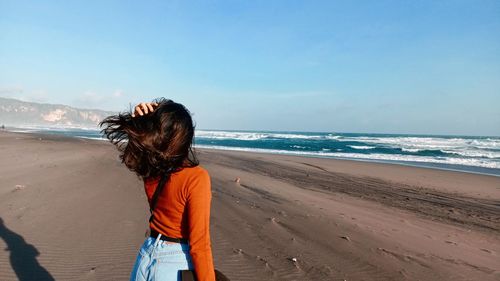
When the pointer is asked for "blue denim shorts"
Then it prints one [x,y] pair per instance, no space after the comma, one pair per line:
[160,260]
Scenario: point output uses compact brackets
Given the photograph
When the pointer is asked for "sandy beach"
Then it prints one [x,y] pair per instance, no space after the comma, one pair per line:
[69,210]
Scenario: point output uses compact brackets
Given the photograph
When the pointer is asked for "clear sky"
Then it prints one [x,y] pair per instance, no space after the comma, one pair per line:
[335,66]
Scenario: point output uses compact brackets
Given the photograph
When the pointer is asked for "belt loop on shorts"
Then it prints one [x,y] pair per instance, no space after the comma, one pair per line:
[157,240]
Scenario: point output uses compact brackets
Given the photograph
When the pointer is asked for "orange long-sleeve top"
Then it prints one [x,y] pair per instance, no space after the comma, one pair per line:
[183,211]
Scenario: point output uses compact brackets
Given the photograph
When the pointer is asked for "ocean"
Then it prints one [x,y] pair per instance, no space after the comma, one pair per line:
[462,153]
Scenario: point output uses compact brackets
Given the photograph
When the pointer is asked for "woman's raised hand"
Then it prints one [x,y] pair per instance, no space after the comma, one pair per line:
[144,108]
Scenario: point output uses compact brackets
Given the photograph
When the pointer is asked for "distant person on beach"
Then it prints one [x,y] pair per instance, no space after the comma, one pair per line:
[155,142]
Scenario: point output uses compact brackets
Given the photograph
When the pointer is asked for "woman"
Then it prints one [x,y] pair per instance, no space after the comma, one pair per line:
[155,142]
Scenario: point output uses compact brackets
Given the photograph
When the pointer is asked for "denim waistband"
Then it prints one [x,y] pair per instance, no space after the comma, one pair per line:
[156,247]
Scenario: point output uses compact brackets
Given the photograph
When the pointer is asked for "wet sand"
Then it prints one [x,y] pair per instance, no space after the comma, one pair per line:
[69,210]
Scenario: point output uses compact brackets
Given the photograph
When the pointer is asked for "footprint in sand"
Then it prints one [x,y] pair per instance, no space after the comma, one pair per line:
[451,242]
[345,237]
[487,251]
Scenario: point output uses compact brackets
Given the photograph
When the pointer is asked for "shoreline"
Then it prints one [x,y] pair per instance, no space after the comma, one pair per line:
[427,165]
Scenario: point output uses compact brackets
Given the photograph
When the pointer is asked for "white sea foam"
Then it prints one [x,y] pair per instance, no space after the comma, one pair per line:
[258,135]
[363,147]
[429,142]
[333,137]
[411,149]
[374,156]
[230,135]
[476,153]
[485,148]
[406,143]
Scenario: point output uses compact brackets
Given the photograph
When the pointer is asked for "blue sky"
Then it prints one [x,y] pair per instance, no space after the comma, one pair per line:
[336,66]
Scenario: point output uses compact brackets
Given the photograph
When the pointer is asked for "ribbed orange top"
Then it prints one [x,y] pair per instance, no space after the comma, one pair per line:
[183,211]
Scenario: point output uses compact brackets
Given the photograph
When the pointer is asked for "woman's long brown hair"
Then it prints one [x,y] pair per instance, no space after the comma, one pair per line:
[156,143]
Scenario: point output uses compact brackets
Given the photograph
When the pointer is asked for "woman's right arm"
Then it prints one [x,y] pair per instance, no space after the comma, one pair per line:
[144,108]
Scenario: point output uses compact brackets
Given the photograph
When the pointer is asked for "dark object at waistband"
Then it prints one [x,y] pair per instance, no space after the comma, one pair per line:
[155,233]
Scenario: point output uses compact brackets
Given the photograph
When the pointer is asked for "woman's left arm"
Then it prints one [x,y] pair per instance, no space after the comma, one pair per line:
[198,203]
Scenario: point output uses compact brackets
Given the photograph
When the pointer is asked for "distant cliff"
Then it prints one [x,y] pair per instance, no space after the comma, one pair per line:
[20,113]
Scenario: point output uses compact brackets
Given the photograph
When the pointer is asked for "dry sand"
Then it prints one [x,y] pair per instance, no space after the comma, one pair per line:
[69,210]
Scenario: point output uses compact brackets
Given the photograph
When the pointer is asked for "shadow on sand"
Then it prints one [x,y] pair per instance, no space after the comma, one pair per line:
[23,257]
